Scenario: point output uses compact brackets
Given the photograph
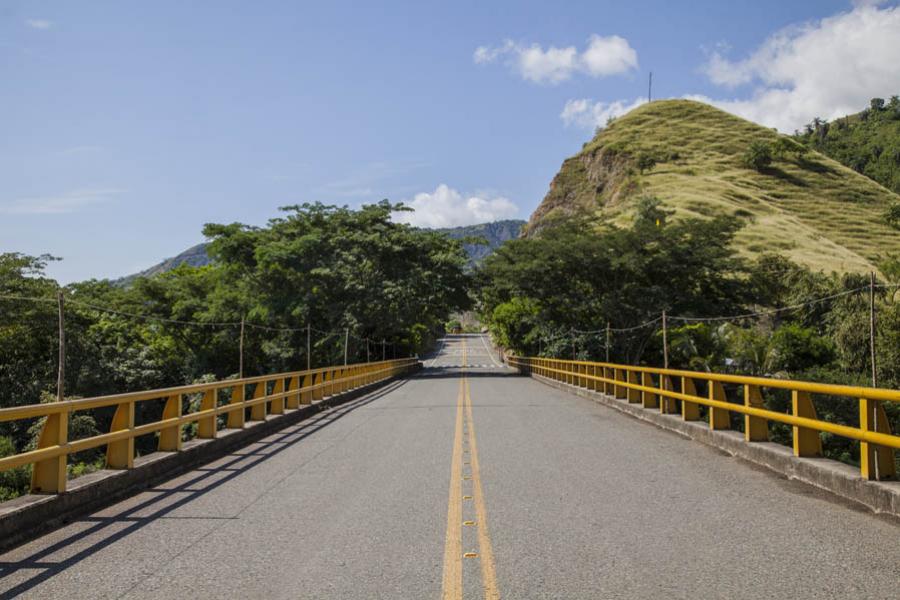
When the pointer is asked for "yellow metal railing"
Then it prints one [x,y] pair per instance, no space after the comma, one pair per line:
[656,388]
[269,395]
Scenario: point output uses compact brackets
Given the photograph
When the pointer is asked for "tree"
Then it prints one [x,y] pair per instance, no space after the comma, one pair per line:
[645,162]
[758,156]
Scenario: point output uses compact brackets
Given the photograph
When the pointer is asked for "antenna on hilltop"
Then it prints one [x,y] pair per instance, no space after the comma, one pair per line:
[650,88]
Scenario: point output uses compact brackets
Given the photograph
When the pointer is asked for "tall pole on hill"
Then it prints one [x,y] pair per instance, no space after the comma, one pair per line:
[650,88]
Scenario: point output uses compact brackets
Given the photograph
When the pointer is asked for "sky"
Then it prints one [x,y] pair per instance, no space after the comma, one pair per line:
[126,126]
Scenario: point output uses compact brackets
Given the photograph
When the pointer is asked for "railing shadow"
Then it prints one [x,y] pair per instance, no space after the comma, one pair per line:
[263,449]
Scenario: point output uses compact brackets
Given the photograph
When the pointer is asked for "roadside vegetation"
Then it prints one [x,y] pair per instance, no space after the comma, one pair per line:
[392,287]
[555,294]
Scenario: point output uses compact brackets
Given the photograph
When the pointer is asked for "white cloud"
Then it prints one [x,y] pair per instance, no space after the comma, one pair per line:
[68,202]
[608,56]
[826,68]
[39,23]
[446,207]
[586,113]
[603,56]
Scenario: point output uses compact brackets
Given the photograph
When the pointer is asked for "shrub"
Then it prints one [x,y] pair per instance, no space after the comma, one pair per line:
[758,156]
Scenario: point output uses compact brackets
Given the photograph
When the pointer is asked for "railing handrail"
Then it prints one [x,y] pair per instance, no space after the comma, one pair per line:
[44,409]
[290,391]
[831,389]
[877,441]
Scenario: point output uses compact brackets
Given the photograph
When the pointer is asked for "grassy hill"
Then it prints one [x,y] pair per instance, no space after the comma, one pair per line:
[812,209]
[867,142]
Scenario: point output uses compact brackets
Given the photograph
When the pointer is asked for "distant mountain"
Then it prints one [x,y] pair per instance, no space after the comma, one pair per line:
[494,233]
[194,256]
[867,142]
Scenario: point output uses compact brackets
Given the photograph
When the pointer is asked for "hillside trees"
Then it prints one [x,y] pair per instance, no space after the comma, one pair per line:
[331,267]
[867,142]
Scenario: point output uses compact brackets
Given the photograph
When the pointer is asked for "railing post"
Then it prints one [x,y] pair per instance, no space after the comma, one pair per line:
[690,411]
[807,442]
[875,462]
[170,437]
[593,384]
[120,454]
[719,418]
[648,399]
[293,399]
[258,411]
[306,394]
[756,429]
[667,405]
[237,416]
[620,389]
[608,374]
[633,395]
[278,403]
[207,426]
[318,381]
[49,476]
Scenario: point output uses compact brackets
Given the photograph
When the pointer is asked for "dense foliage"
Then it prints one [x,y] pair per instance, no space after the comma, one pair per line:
[331,267]
[867,142]
[540,295]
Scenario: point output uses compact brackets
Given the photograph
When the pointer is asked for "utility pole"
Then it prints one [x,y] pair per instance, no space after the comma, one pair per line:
[872,330]
[346,341]
[875,406]
[607,342]
[308,349]
[574,351]
[241,350]
[665,342]
[61,373]
[650,88]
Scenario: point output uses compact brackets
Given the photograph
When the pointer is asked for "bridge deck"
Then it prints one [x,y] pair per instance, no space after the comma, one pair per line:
[579,502]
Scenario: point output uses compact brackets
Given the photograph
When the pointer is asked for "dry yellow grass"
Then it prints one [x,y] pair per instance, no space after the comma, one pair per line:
[814,210]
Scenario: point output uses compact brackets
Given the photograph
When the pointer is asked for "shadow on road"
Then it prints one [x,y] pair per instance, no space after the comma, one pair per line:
[456,372]
[192,485]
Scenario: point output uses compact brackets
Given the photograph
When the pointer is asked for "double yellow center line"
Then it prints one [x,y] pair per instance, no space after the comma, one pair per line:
[465,473]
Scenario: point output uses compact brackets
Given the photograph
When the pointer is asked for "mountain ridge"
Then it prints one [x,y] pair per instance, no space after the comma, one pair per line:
[495,232]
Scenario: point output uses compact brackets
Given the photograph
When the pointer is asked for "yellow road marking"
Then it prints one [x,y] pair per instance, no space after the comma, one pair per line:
[488,571]
[453,555]
[452,582]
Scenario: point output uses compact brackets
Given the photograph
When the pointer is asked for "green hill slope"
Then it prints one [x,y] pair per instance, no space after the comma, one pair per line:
[814,210]
[867,142]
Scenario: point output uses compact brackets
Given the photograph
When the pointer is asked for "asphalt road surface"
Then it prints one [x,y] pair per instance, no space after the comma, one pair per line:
[467,481]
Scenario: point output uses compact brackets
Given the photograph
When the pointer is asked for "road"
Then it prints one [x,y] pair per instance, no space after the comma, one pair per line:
[468,481]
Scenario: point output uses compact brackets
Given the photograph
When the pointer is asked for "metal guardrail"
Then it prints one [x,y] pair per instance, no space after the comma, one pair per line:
[655,388]
[269,395]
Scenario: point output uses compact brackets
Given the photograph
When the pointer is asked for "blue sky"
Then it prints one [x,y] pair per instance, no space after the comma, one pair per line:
[127,126]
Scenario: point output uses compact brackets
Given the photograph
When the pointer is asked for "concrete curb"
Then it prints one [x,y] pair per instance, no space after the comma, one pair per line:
[881,497]
[26,517]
